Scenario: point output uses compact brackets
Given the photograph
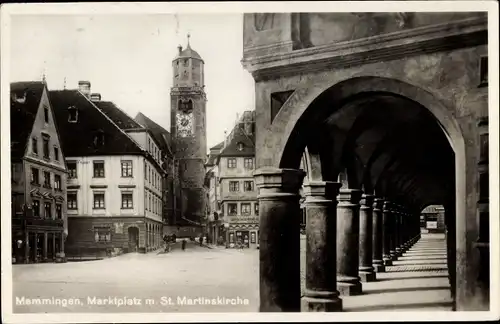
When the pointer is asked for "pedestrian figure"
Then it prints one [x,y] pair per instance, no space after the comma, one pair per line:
[184,244]
[201,240]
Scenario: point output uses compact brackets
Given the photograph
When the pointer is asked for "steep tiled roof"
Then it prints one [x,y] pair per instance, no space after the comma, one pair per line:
[238,135]
[118,116]
[78,138]
[23,114]
[212,157]
[160,134]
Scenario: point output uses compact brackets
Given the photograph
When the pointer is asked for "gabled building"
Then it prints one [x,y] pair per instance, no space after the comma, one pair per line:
[38,176]
[114,176]
[233,196]
[215,220]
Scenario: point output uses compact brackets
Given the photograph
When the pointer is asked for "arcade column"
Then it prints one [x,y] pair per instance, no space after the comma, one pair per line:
[378,262]
[321,286]
[366,270]
[348,281]
[279,251]
[386,242]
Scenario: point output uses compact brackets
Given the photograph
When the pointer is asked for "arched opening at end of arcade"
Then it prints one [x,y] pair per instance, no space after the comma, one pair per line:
[369,163]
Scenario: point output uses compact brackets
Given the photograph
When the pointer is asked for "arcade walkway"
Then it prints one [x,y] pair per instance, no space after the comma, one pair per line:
[418,281]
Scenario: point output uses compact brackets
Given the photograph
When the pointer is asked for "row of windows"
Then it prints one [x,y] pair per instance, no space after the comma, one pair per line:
[154,150]
[152,176]
[47,210]
[247,163]
[45,147]
[99,169]
[99,201]
[153,203]
[234,186]
[246,209]
[47,179]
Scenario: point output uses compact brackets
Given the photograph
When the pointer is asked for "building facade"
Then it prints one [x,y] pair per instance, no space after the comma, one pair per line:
[338,97]
[114,177]
[232,192]
[38,178]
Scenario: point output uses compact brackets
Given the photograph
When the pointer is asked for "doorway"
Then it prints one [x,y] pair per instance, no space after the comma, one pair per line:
[133,239]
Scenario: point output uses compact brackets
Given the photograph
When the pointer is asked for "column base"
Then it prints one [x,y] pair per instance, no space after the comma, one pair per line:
[399,251]
[367,276]
[349,289]
[394,256]
[387,262]
[323,304]
[379,267]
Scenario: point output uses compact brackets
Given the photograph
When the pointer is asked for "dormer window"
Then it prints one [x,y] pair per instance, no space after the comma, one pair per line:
[241,146]
[20,98]
[72,114]
[99,139]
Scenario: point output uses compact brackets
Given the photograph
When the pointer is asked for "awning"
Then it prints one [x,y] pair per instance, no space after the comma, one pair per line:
[47,195]
[58,198]
[35,193]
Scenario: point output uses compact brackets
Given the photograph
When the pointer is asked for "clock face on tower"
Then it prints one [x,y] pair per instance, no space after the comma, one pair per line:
[184,124]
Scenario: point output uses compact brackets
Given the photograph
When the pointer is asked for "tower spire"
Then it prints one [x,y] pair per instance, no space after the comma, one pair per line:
[64,83]
[188,36]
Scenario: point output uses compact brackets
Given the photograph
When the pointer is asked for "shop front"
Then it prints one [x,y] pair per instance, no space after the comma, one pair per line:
[242,236]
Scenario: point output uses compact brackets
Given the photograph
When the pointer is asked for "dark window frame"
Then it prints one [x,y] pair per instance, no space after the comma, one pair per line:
[125,205]
[98,169]
[96,203]
[72,204]
[72,172]
[128,170]
[232,163]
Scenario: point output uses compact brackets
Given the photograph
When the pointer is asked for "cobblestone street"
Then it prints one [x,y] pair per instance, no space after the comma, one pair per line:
[226,273]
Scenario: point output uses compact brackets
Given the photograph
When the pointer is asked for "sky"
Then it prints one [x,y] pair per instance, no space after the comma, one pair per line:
[128,60]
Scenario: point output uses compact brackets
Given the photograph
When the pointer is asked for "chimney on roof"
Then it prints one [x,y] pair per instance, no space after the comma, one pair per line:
[84,87]
[95,97]
[179,48]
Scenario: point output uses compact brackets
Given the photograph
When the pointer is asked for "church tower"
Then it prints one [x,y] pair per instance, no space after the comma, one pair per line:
[188,131]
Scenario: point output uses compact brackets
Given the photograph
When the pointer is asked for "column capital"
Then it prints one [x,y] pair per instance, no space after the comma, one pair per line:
[378,203]
[327,190]
[348,197]
[387,207]
[366,201]
[274,182]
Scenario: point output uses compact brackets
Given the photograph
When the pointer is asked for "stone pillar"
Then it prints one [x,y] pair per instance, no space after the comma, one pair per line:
[377,230]
[26,246]
[279,252]
[321,286]
[386,241]
[348,281]
[35,248]
[397,231]
[62,245]
[366,270]
[404,239]
[392,231]
[54,246]
[45,241]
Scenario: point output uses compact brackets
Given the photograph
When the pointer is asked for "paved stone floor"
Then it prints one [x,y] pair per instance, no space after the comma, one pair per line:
[417,281]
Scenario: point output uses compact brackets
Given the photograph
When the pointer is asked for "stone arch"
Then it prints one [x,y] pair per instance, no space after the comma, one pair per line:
[282,146]
[290,115]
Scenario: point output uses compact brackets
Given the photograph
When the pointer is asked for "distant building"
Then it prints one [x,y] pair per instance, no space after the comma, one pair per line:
[114,176]
[215,217]
[432,219]
[38,179]
[230,177]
